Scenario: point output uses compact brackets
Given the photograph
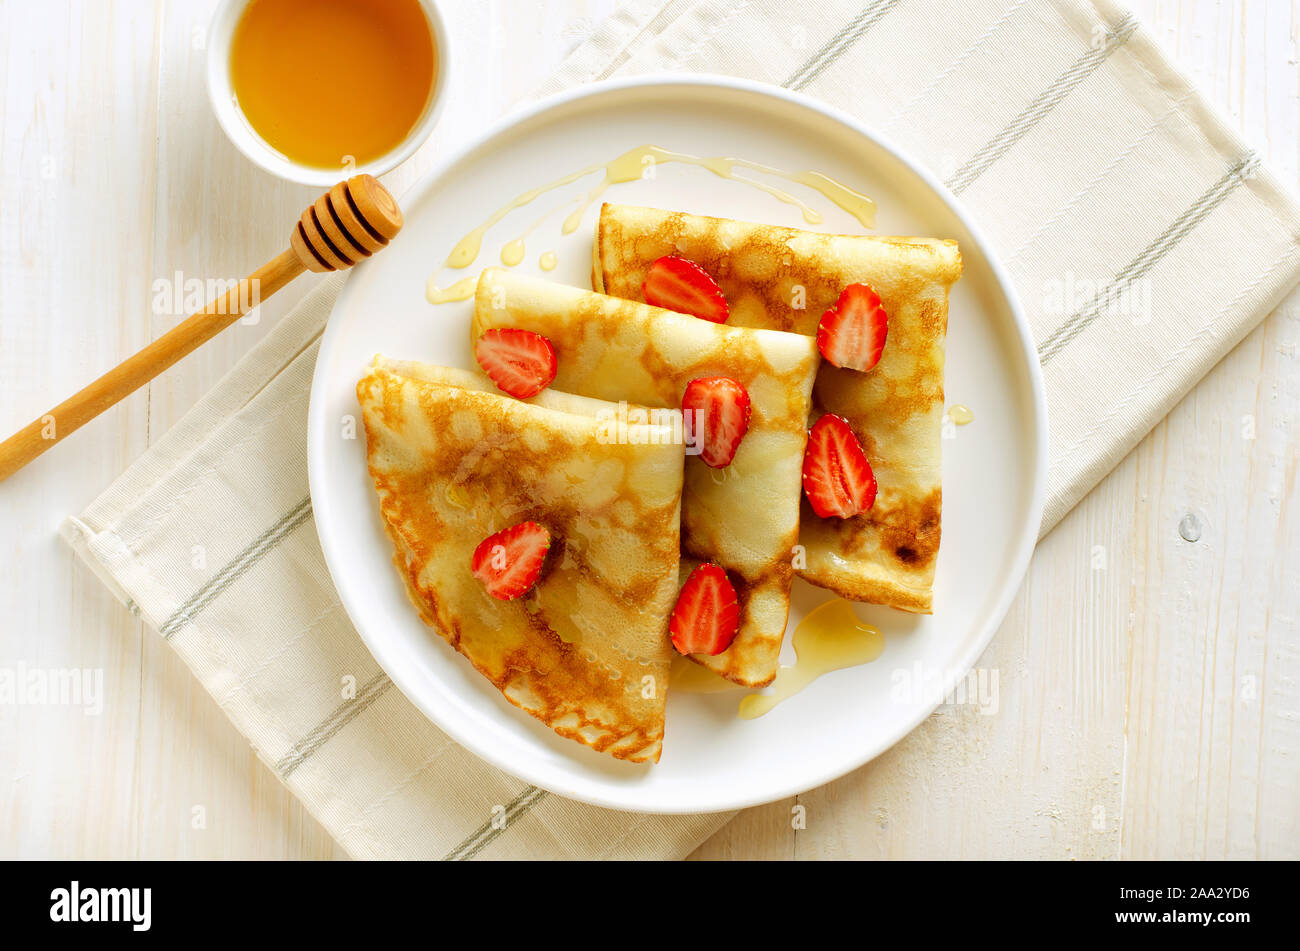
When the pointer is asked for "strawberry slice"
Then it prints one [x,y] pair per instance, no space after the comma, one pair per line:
[718,409]
[852,332]
[520,362]
[509,561]
[678,284]
[836,475]
[707,614]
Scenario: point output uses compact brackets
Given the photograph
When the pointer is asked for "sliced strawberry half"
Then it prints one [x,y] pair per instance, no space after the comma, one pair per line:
[718,409]
[509,561]
[675,283]
[707,614]
[836,475]
[520,362]
[852,332]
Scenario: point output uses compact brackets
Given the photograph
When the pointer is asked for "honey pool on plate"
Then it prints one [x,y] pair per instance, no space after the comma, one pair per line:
[333,83]
[829,638]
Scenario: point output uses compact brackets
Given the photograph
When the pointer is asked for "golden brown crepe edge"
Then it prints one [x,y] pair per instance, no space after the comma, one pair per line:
[428,606]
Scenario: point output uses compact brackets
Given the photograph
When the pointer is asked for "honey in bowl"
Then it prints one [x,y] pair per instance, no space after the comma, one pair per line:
[333,83]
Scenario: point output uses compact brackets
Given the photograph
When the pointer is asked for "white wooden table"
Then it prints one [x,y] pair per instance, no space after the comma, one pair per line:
[1149,708]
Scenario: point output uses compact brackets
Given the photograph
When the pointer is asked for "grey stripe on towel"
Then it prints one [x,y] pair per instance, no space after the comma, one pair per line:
[338,718]
[237,567]
[1041,105]
[1150,256]
[836,46]
[488,832]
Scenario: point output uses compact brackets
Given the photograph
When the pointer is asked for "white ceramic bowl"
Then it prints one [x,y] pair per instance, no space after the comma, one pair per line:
[245,138]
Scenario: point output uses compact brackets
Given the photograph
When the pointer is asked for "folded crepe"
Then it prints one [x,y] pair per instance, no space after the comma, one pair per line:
[586,651]
[745,517]
[785,279]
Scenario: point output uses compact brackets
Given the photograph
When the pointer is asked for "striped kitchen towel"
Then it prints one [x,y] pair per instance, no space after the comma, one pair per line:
[1144,238]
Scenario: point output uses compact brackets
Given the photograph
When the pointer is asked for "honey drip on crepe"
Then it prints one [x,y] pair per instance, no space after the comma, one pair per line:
[829,638]
[687,676]
[961,415]
[630,166]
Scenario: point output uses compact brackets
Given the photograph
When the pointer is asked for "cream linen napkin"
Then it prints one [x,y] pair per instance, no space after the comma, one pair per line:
[1143,236]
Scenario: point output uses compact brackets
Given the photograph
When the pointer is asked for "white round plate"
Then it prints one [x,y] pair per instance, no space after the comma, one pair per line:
[994,468]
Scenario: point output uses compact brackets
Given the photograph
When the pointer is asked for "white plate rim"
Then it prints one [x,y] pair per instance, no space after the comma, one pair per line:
[1024,546]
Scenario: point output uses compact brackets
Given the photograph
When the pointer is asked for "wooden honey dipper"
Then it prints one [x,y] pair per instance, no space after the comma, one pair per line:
[347,224]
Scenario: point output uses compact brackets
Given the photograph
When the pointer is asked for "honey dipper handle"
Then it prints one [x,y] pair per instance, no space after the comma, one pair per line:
[115,385]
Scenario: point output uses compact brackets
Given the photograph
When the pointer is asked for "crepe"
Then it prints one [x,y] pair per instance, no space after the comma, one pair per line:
[586,651]
[745,517]
[785,279]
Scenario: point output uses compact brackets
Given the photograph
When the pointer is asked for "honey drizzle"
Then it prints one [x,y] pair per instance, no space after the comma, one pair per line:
[631,166]
[512,253]
[829,638]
